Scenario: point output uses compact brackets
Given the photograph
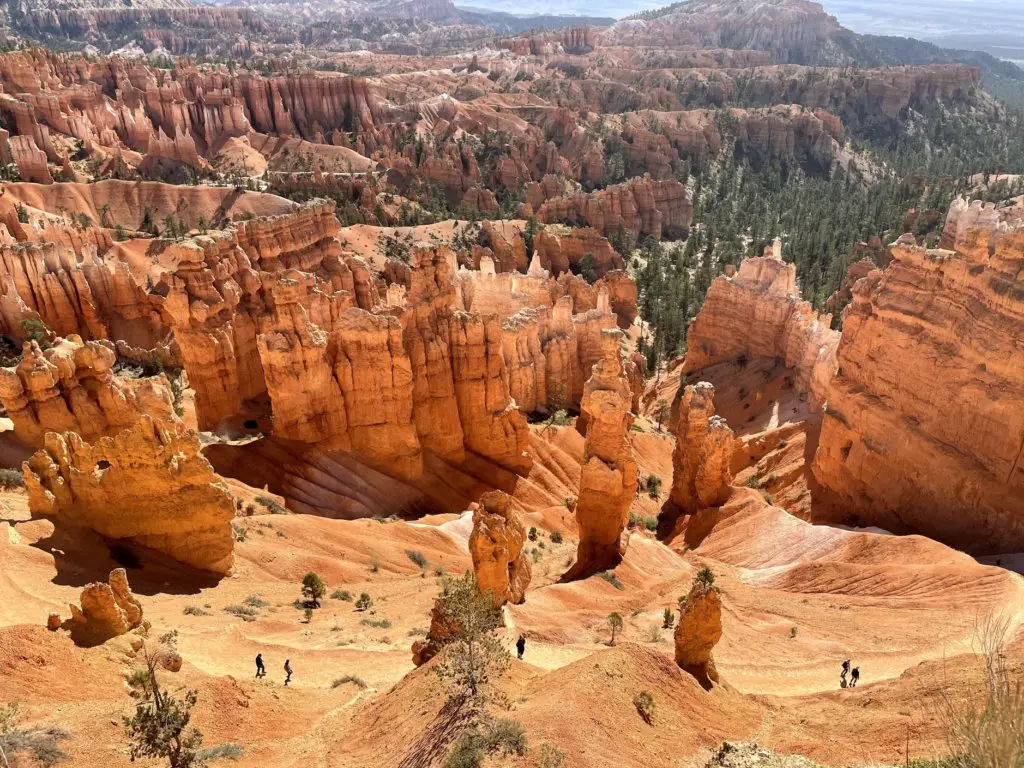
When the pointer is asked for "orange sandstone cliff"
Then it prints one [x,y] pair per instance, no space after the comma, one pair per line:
[924,427]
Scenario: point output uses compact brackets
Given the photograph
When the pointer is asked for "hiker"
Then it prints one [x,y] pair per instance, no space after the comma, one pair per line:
[288,670]
[521,645]
[261,671]
[846,670]
[854,677]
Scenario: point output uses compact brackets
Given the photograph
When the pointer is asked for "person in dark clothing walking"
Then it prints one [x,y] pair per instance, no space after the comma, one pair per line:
[844,673]
[854,677]
[521,645]
[288,671]
[261,671]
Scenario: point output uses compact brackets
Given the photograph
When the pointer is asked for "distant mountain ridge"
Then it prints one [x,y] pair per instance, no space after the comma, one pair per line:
[799,32]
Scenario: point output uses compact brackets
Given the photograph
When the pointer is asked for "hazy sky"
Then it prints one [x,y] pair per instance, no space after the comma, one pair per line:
[914,18]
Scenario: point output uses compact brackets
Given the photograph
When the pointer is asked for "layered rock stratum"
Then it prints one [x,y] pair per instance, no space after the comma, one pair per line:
[924,426]
[70,387]
[759,313]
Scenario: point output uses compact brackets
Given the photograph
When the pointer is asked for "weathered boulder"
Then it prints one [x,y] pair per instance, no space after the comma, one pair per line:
[107,610]
[496,545]
[608,480]
[698,631]
[701,473]
[148,486]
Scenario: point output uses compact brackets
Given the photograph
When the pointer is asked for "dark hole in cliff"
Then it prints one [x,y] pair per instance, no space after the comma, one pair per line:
[846,451]
[125,556]
[251,424]
[103,464]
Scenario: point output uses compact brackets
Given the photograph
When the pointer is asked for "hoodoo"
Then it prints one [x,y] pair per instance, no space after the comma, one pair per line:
[608,480]
[496,544]
[701,473]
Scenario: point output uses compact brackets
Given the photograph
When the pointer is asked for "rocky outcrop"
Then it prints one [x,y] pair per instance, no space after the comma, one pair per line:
[500,563]
[492,425]
[622,296]
[701,474]
[658,140]
[439,634]
[924,426]
[758,313]
[572,40]
[639,206]
[70,387]
[698,631]
[608,479]
[561,250]
[107,610]
[842,296]
[31,160]
[149,486]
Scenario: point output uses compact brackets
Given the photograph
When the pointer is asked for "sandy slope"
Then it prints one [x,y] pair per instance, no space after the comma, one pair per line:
[798,600]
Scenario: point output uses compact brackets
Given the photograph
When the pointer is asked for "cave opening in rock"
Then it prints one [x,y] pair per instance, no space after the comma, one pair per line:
[124,555]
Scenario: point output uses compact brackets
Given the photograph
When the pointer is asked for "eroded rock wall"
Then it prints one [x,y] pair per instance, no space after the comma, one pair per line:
[924,428]
[71,387]
[758,313]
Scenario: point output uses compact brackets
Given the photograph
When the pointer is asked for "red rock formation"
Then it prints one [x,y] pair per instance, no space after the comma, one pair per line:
[758,313]
[149,486]
[924,426]
[70,388]
[31,160]
[698,632]
[844,294]
[501,565]
[107,610]
[561,250]
[439,634]
[657,140]
[639,206]
[572,40]
[701,474]
[608,480]
[622,296]
[491,424]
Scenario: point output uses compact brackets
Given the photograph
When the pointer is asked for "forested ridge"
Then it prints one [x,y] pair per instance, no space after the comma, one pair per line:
[741,207]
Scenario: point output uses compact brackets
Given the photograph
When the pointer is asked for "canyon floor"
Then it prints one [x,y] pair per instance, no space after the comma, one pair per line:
[798,598]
